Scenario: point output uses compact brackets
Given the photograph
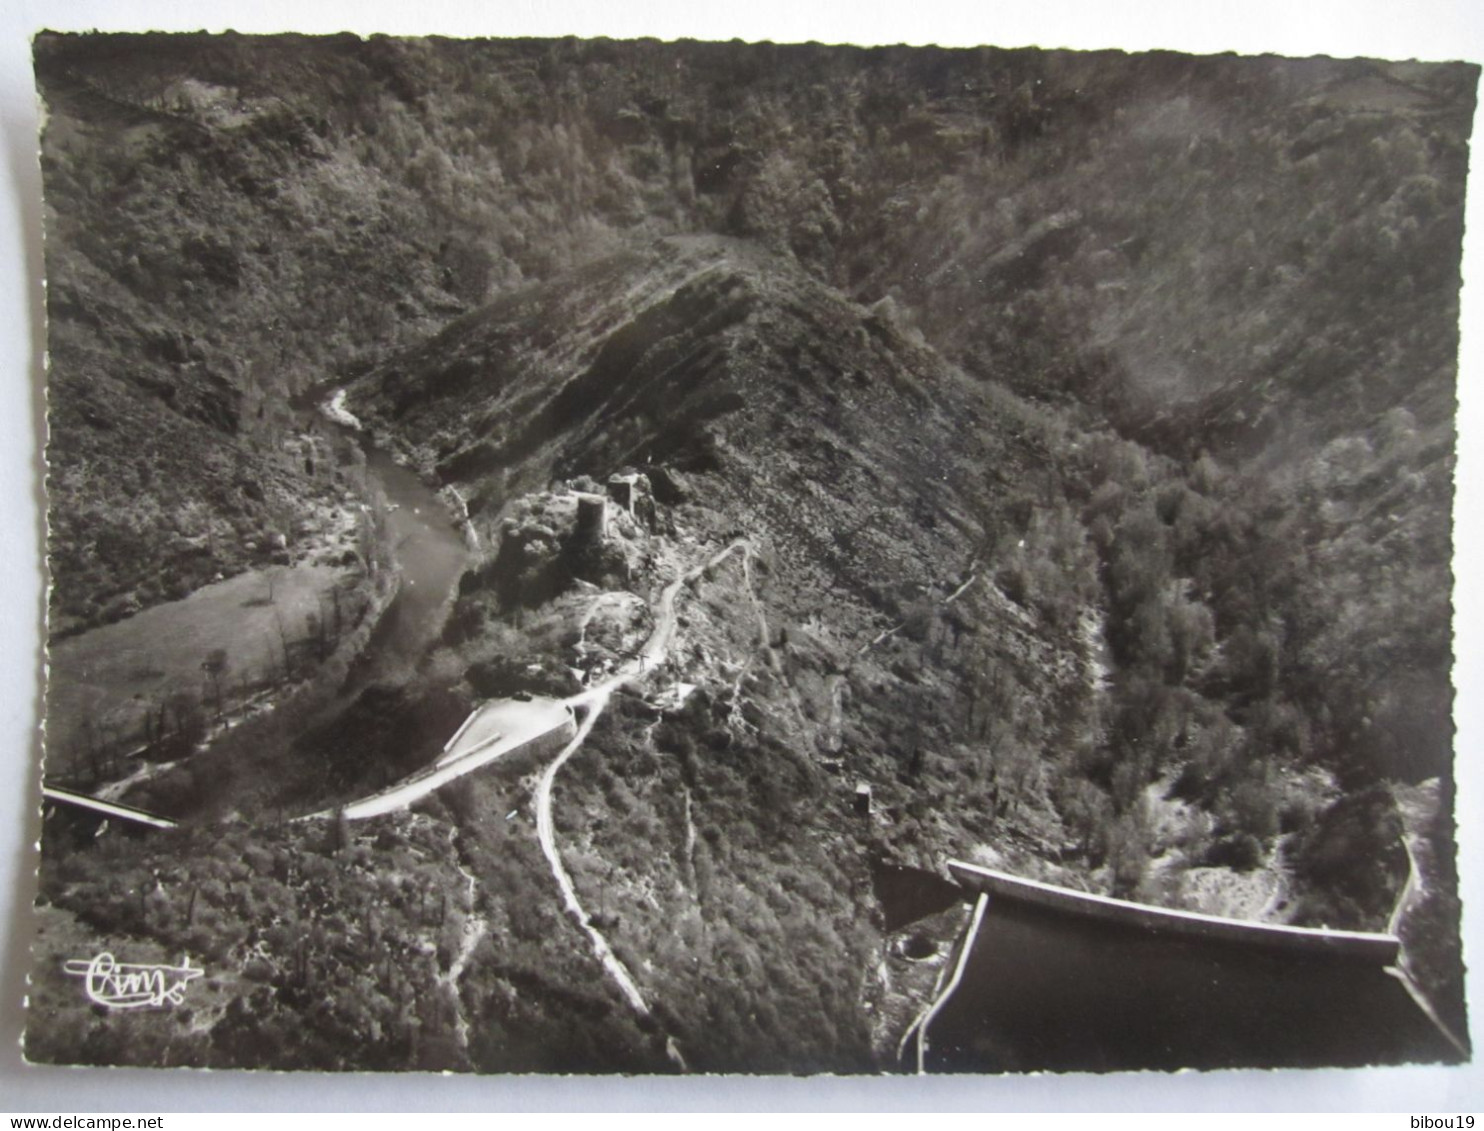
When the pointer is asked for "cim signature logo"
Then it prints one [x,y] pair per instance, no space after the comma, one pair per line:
[128,985]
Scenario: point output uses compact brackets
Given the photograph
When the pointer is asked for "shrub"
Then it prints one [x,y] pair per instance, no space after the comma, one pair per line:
[1241,852]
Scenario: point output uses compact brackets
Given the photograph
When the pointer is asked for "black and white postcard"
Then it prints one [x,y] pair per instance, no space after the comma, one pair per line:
[636,557]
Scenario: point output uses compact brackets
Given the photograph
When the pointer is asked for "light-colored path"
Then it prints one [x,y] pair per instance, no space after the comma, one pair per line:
[143,772]
[966,946]
[887,634]
[501,727]
[650,656]
[546,833]
[470,932]
[1412,891]
[495,729]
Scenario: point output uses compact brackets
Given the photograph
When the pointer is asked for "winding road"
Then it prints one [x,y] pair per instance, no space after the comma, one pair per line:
[594,700]
[535,719]
[590,703]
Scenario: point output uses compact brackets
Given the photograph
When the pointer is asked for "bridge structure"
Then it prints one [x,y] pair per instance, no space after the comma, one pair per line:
[1051,979]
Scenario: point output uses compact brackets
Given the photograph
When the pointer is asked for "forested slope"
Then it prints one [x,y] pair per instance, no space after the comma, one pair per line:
[1088,418]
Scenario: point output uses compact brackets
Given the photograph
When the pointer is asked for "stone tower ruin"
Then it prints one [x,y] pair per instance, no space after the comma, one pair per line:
[592,520]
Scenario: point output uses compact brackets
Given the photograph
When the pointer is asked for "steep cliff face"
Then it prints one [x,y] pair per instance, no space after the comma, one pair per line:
[1035,642]
[765,405]
[1247,255]
[834,423]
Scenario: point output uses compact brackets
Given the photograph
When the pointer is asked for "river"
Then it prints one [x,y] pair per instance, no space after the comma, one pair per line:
[431,553]
[102,682]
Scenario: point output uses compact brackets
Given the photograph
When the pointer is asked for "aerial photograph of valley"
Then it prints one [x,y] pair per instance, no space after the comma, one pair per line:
[584,556]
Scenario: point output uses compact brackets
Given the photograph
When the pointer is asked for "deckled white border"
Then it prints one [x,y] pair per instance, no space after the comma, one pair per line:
[1426,29]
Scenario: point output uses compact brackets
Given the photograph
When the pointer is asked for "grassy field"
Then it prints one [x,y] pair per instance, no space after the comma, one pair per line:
[102,682]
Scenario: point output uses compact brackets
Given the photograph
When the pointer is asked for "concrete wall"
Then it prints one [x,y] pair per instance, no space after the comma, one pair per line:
[1069,986]
[1380,948]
